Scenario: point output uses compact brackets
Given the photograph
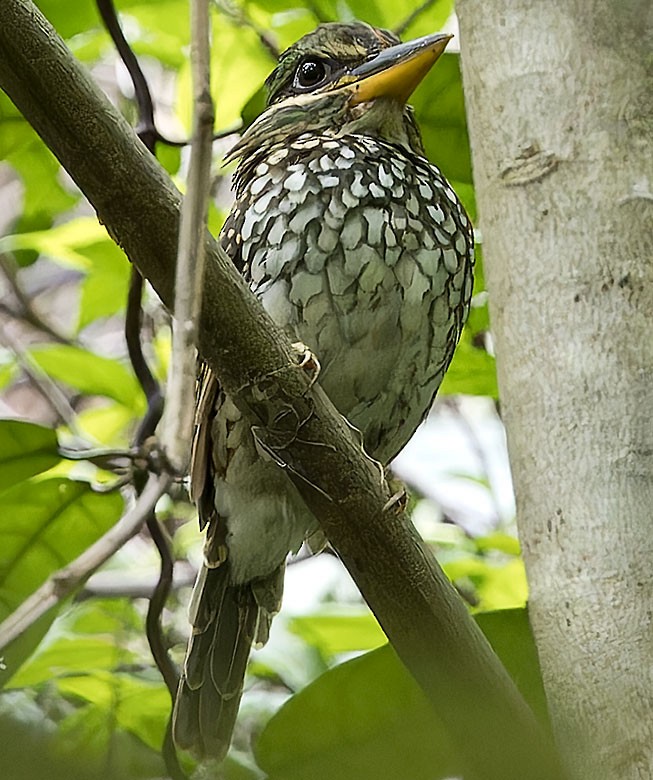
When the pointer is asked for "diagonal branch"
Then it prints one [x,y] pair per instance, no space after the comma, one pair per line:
[419,610]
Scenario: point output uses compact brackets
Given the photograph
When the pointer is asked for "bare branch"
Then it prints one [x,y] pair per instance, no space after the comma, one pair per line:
[178,416]
[65,581]
[132,585]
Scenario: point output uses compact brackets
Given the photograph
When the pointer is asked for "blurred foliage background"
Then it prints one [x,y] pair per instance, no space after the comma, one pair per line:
[80,696]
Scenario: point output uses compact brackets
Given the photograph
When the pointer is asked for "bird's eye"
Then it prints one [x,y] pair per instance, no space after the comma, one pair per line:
[310,73]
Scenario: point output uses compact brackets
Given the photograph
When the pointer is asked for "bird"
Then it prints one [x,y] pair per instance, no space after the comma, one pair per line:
[358,248]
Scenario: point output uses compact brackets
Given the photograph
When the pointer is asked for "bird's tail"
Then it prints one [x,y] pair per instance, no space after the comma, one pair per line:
[226,620]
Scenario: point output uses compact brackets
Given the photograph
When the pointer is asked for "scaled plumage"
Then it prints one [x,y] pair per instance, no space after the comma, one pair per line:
[359,248]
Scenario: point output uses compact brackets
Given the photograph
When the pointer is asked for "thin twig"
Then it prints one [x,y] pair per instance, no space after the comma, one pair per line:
[28,313]
[131,585]
[146,128]
[27,318]
[42,382]
[179,413]
[150,386]
[65,581]
[401,28]
[157,603]
[149,135]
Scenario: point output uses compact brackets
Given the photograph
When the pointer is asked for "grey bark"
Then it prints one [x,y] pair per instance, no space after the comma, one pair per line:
[418,609]
[560,99]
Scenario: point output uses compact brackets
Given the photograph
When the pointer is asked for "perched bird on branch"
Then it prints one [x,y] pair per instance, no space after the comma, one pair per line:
[358,248]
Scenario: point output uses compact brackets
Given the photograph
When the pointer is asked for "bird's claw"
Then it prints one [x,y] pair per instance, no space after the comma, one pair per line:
[397,502]
[307,361]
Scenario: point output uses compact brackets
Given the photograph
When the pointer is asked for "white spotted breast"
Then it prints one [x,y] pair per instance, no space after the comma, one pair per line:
[361,250]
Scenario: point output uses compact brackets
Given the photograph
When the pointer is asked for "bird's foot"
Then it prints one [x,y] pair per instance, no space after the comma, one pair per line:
[307,361]
[398,501]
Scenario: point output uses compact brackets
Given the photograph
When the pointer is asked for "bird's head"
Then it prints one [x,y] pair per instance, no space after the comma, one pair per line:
[342,79]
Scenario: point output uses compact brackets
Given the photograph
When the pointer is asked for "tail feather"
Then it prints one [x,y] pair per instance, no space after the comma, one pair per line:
[226,619]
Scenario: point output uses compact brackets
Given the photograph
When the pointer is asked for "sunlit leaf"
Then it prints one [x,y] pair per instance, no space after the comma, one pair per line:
[8,370]
[139,706]
[108,424]
[104,289]
[472,371]
[499,541]
[65,22]
[64,243]
[84,638]
[65,656]
[90,373]
[162,29]
[339,633]
[26,449]
[497,585]
[237,58]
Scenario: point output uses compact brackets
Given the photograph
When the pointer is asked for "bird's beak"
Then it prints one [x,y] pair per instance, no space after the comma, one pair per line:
[396,71]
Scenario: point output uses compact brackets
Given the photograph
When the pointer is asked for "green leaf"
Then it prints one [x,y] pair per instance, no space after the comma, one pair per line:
[367,718]
[90,740]
[425,23]
[237,58]
[104,289]
[339,633]
[472,370]
[8,370]
[68,655]
[108,424]
[496,585]
[139,706]
[90,373]
[26,449]
[44,197]
[84,638]
[385,13]
[440,111]
[509,633]
[497,540]
[44,525]
[64,243]
[66,22]
[169,157]
[164,27]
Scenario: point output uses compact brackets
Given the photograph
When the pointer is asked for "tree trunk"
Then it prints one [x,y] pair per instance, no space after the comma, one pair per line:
[560,99]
